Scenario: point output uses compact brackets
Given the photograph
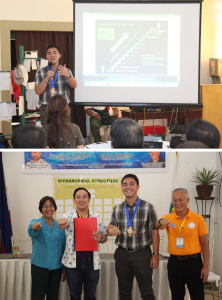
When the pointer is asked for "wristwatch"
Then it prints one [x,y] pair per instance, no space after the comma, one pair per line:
[102,240]
[159,222]
[69,76]
[155,253]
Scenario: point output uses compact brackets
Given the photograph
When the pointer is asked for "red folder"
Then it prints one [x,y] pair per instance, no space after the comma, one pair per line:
[84,227]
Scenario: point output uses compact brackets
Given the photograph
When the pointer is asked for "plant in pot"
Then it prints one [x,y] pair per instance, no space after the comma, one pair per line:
[205,179]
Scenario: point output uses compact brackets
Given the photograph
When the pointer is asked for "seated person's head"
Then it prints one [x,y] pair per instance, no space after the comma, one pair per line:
[204,132]
[192,145]
[57,110]
[28,137]
[126,133]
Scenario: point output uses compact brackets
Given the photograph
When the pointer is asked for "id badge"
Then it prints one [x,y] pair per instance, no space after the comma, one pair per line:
[179,243]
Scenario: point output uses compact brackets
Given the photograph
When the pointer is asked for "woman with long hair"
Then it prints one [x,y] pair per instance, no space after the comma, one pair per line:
[61,133]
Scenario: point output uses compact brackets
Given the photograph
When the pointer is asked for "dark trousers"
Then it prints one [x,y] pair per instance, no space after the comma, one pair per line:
[181,272]
[82,274]
[130,264]
[45,282]
[95,125]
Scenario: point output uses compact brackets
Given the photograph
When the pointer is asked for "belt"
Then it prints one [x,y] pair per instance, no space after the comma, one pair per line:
[183,257]
[134,250]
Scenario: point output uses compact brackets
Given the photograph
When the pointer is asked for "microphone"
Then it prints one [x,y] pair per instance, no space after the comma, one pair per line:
[50,68]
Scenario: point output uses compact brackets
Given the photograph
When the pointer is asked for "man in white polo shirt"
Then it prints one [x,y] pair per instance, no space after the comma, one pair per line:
[96,119]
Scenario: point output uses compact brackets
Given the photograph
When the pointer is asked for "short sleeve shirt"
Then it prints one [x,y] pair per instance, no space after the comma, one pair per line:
[143,224]
[62,86]
[69,137]
[192,229]
[69,257]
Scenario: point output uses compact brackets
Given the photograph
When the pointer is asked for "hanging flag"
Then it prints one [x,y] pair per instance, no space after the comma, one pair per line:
[176,179]
[5,220]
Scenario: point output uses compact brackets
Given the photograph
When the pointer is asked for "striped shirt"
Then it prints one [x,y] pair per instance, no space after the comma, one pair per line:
[143,223]
[62,86]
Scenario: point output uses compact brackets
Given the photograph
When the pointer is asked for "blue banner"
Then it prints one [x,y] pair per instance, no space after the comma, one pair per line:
[94,160]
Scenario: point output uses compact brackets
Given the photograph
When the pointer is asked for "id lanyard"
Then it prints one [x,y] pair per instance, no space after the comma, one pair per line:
[131,231]
[81,216]
[181,226]
[53,91]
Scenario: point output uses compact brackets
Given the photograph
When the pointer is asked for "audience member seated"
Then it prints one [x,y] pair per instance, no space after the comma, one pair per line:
[204,132]
[192,145]
[126,133]
[61,133]
[96,119]
[29,136]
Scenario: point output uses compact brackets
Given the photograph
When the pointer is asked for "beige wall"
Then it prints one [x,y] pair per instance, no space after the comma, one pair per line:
[208,39]
[41,10]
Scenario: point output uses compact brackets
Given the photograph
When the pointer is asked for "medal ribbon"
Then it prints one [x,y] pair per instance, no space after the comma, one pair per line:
[51,81]
[180,226]
[130,223]
[81,216]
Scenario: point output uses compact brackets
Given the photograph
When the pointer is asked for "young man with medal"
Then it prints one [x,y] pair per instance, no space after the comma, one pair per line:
[187,238]
[53,79]
[133,221]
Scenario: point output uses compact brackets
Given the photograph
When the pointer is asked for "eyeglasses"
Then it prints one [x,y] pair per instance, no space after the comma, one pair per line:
[50,206]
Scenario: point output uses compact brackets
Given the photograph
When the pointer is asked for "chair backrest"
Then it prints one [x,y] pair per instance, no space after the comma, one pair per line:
[109,246]
[24,244]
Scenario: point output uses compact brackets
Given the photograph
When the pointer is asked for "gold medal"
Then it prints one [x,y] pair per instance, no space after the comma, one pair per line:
[53,91]
[130,231]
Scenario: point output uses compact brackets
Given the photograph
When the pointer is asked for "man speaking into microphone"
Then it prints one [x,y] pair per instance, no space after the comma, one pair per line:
[53,79]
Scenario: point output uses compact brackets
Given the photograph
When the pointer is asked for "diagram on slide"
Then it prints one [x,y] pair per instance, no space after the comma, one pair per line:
[131,47]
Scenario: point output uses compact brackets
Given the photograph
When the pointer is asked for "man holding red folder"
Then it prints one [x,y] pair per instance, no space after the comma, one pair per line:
[84,229]
[133,221]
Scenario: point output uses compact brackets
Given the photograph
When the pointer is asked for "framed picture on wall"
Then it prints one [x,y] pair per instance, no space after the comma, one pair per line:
[95,161]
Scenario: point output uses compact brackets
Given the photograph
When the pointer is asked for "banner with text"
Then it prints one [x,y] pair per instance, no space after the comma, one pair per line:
[69,162]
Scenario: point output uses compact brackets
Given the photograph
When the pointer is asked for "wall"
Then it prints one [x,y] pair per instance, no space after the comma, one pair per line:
[24,10]
[208,38]
[25,191]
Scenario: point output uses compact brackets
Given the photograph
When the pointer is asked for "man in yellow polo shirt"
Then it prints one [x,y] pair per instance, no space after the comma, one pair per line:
[187,238]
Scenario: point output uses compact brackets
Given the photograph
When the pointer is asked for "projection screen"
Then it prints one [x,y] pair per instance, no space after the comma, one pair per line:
[137,53]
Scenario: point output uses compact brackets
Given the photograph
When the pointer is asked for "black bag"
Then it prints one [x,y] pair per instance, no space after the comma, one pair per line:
[106,118]
[176,141]
[4,144]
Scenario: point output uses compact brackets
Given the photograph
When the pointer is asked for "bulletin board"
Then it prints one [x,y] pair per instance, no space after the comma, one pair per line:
[105,192]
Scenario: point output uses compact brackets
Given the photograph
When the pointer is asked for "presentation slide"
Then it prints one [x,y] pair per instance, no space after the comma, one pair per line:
[131,51]
[137,53]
